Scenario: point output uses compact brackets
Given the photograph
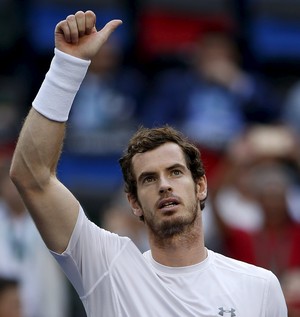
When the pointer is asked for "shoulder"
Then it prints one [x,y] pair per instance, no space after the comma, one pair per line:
[253,283]
[236,267]
[88,235]
[253,280]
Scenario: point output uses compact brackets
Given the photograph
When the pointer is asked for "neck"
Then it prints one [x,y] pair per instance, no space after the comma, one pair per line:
[184,249]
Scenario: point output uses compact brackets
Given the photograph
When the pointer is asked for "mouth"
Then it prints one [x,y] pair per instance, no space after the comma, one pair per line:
[168,203]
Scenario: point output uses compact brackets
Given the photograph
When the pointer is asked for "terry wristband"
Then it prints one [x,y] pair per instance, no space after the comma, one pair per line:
[62,81]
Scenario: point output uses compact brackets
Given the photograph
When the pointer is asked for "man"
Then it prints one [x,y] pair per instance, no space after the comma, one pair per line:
[166,187]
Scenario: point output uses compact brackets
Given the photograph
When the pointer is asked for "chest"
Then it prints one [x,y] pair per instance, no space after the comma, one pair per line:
[202,294]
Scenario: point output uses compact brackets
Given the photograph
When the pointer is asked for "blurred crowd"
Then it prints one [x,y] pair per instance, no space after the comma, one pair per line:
[193,66]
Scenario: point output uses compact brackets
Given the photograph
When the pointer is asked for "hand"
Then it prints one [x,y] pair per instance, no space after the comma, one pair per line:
[77,34]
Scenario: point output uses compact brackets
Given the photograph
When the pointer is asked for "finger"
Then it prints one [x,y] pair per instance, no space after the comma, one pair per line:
[63,28]
[80,20]
[73,28]
[108,29]
[90,21]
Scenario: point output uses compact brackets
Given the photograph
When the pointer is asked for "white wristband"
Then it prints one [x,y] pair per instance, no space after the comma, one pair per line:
[62,81]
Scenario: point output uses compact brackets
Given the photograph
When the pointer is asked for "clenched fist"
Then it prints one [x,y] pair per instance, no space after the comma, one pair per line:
[77,34]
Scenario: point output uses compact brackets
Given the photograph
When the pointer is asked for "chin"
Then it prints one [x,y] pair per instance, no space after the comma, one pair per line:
[173,226]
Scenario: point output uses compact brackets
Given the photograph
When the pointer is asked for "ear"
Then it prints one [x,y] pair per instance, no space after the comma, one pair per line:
[135,206]
[201,186]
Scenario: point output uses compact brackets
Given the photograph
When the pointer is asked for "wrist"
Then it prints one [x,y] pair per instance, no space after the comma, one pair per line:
[62,81]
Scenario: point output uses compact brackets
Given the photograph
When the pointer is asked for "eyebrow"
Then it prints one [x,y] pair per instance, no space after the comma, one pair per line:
[146,174]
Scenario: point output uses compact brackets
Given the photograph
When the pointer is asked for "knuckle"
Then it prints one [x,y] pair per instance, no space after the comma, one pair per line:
[79,14]
[90,13]
[70,17]
[90,16]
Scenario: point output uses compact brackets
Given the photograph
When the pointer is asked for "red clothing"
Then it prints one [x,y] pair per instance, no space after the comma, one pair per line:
[273,250]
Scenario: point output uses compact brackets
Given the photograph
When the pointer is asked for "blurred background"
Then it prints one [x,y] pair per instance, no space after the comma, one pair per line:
[225,72]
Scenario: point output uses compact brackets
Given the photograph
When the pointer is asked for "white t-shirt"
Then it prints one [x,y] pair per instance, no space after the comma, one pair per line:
[113,278]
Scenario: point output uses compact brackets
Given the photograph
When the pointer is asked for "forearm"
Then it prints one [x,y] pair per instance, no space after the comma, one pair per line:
[42,136]
[53,208]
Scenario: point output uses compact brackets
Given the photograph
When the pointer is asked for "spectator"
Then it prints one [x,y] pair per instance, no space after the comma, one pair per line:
[10,300]
[43,287]
[274,243]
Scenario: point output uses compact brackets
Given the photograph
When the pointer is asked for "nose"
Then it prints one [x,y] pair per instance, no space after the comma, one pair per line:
[164,186]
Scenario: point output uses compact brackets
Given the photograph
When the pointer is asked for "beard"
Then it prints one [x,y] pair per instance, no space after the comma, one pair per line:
[173,225]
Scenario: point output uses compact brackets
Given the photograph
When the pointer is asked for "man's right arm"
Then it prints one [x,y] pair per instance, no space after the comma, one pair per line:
[33,170]
[53,208]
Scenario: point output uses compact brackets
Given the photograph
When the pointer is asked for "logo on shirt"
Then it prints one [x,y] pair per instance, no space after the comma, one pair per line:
[226,312]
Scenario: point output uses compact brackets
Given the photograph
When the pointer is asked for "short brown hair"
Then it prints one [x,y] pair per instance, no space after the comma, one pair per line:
[146,139]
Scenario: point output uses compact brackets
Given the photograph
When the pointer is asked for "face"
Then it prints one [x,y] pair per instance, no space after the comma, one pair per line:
[11,196]
[168,197]
[10,303]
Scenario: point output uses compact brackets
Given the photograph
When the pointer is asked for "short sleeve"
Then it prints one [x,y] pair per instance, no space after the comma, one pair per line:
[275,304]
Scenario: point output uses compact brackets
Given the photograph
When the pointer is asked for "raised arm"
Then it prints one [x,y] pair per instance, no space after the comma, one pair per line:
[33,170]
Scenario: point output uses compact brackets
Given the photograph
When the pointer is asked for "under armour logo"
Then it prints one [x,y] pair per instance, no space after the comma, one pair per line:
[227,311]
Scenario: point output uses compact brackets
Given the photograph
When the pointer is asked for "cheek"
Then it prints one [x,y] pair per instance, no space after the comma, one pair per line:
[147,198]
[144,201]
[194,189]
[141,198]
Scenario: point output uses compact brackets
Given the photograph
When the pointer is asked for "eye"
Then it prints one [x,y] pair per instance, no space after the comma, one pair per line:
[176,172]
[148,179]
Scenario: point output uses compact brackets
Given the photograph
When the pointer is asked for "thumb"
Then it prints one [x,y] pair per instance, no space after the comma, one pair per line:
[106,31]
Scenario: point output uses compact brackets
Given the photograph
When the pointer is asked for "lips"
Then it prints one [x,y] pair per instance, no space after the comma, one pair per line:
[168,202]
